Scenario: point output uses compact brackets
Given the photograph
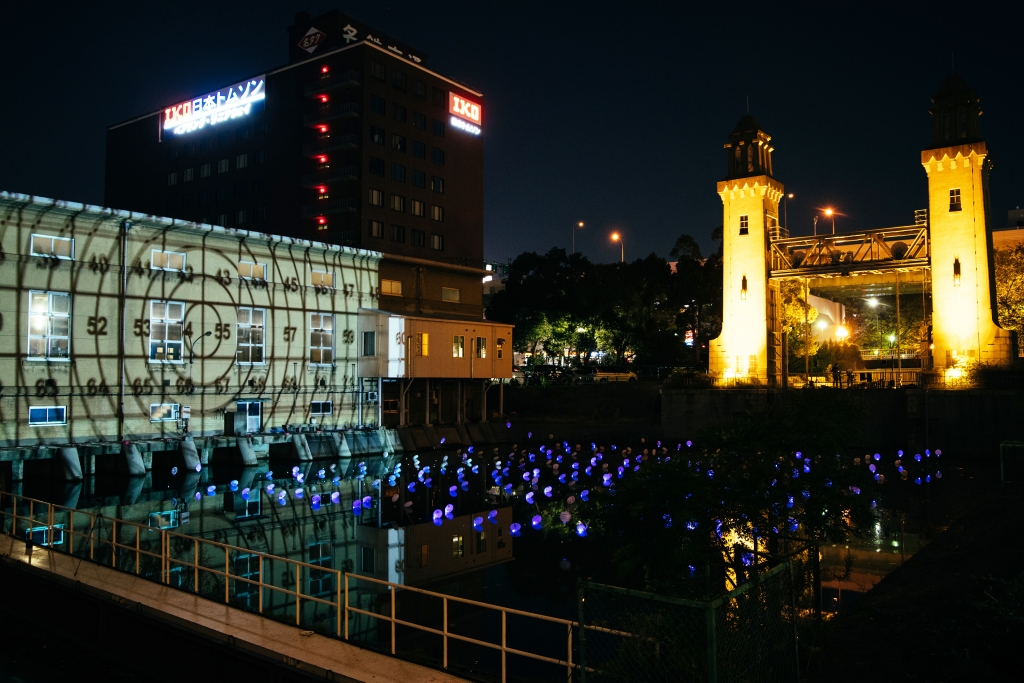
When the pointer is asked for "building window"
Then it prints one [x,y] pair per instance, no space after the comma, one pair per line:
[417,208]
[377,135]
[321,583]
[163,412]
[481,347]
[437,97]
[437,127]
[397,233]
[954,200]
[418,238]
[172,178]
[369,344]
[240,217]
[398,80]
[481,542]
[250,270]
[437,184]
[424,345]
[241,161]
[250,335]
[419,149]
[744,225]
[377,105]
[49,325]
[54,247]
[186,175]
[222,219]
[321,408]
[418,179]
[222,166]
[437,213]
[450,294]
[397,202]
[391,287]
[424,556]
[167,260]
[499,346]
[321,278]
[419,88]
[377,71]
[419,120]
[398,142]
[398,111]
[204,171]
[321,338]
[398,173]
[253,411]
[458,548]
[437,156]
[165,331]
[376,166]
[47,416]
[259,213]
[366,557]
[222,193]
[458,346]
[437,243]
[376,198]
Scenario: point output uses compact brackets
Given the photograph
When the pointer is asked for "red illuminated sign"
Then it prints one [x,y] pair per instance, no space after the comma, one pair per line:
[464,109]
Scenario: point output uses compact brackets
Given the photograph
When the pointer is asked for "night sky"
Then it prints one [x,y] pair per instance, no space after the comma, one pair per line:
[613,114]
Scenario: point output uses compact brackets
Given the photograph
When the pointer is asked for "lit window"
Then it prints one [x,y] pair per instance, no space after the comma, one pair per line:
[251,325]
[163,412]
[499,346]
[319,278]
[321,408]
[437,213]
[57,247]
[437,184]
[397,202]
[241,161]
[954,200]
[450,294]
[167,260]
[437,242]
[369,344]
[247,270]
[481,347]
[165,331]
[458,346]
[222,166]
[49,326]
[376,198]
[376,229]
[47,416]
[458,547]
[391,287]
[424,344]
[321,338]
[417,207]
[744,225]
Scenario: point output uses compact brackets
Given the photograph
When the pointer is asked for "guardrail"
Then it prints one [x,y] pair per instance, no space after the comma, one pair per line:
[168,557]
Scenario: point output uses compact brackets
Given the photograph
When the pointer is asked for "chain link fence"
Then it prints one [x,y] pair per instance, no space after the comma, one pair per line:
[748,635]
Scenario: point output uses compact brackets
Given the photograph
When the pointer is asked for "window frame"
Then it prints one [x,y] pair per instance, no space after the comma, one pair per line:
[166,321]
[375,194]
[437,213]
[48,423]
[175,412]
[167,254]
[446,294]
[954,193]
[53,240]
[251,276]
[437,242]
[377,229]
[239,344]
[458,346]
[324,275]
[48,335]
[320,408]
[424,345]
[387,287]
[321,330]
[371,336]
[480,348]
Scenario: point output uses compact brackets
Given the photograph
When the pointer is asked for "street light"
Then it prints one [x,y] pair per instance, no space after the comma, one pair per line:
[578,225]
[829,213]
[192,353]
[616,237]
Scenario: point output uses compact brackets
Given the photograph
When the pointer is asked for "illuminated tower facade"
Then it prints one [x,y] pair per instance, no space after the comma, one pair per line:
[749,346]
[964,327]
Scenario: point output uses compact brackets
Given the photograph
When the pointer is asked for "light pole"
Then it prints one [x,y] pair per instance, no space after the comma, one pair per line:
[785,208]
[192,354]
[578,225]
[829,213]
[616,237]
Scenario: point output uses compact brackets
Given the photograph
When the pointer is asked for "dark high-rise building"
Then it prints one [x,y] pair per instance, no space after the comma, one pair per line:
[354,141]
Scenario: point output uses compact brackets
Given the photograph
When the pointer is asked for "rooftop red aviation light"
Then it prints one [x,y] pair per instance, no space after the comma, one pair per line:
[324,69]
[323,159]
[323,98]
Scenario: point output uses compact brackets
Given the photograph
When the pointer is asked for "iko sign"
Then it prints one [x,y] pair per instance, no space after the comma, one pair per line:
[226,104]
[466,115]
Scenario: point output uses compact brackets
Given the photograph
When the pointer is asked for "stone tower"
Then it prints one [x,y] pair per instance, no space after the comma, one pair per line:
[964,327]
[749,346]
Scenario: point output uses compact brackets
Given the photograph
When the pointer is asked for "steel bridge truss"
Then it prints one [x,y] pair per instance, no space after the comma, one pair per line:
[861,253]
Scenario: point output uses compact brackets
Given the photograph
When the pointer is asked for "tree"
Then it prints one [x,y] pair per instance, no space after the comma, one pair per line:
[797,318]
[697,288]
[1010,287]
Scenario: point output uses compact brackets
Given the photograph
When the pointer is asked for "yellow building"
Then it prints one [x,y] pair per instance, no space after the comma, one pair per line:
[202,322]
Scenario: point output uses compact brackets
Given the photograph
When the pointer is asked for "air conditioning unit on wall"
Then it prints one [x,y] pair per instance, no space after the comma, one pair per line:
[371,397]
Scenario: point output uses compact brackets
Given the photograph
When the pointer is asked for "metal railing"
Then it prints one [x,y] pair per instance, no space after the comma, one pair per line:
[872,251]
[100,539]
